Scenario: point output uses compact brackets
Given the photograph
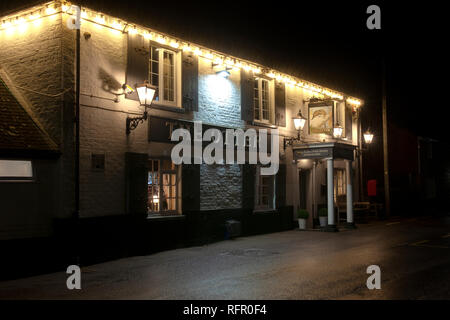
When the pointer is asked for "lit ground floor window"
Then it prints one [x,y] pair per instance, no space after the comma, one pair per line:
[163,187]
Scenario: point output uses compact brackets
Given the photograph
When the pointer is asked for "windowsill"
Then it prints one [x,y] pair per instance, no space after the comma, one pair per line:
[167,108]
[268,210]
[262,124]
[165,216]
[17,180]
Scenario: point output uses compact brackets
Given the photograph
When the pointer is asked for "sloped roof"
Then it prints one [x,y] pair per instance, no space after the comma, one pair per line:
[18,131]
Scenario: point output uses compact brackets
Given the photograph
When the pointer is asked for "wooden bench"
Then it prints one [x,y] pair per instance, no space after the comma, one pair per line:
[359,209]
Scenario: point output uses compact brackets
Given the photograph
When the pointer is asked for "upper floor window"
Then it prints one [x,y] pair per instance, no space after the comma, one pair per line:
[163,73]
[261,99]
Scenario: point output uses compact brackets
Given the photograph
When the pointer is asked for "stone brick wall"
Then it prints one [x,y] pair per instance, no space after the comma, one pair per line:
[39,56]
[220,187]
[32,57]
[219,98]
[219,104]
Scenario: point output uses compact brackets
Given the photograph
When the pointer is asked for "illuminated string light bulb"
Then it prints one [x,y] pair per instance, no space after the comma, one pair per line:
[247,68]
[49,10]
[174,44]
[148,35]
[354,101]
[84,14]
[256,70]
[197,51]
[229,62]
[100,19]
[65,8]
[218,60]
[34,16]
[161,39]
[132,30]
[117,25]
[187,48]
[209,55]
[6,24]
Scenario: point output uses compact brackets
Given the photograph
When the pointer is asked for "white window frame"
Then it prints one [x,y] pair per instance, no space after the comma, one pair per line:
[270,100]
[340,183]
[177,77]
[258,188]
[27,174]
[177,197]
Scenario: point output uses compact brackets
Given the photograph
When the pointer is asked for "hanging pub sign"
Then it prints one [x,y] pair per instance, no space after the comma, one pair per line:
[321,117]
[313,153]
[335,151]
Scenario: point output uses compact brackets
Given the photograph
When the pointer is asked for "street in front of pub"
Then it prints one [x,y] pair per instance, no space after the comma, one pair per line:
[411,253]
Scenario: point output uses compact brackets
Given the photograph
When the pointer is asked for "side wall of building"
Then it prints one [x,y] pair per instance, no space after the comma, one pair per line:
[38,59]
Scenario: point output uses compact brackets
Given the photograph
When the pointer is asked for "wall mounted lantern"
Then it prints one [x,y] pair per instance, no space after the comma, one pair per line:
[337,130]
[368,137]
[146,93]
[225,73]
[299,123]
[221,70]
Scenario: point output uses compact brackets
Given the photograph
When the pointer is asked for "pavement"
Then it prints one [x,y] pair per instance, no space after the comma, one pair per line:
[413,255]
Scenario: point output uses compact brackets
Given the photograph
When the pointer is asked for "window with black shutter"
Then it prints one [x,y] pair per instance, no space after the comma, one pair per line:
[173,72]
[348,121]
[281,186]
[190,187]
[136,170]
[280,104]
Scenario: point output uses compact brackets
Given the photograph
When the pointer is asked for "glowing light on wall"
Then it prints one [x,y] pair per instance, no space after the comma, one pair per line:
[218,87]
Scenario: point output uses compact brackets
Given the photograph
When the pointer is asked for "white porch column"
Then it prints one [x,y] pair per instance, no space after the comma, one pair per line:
[330,184]
[349,178]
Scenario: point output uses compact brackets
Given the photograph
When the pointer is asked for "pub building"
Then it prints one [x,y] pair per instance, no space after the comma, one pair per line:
[111,174]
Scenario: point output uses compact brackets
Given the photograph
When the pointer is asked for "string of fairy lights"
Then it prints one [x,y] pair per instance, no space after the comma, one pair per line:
[32,15]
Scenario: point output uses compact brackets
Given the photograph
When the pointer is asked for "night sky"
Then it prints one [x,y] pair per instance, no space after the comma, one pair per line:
[327,43]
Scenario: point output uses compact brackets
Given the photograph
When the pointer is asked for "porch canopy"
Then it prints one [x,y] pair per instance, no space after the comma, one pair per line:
[331,151]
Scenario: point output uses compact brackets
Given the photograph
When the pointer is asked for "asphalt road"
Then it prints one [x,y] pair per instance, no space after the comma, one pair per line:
[413,255]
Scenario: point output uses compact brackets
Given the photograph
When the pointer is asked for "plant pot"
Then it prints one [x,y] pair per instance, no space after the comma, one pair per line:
[323,221]
[302,224]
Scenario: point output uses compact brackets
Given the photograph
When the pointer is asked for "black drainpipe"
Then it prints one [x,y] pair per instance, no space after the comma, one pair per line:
[77,147]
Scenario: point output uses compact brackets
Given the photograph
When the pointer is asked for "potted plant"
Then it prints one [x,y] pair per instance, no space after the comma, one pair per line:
[302,216]
[323,217]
